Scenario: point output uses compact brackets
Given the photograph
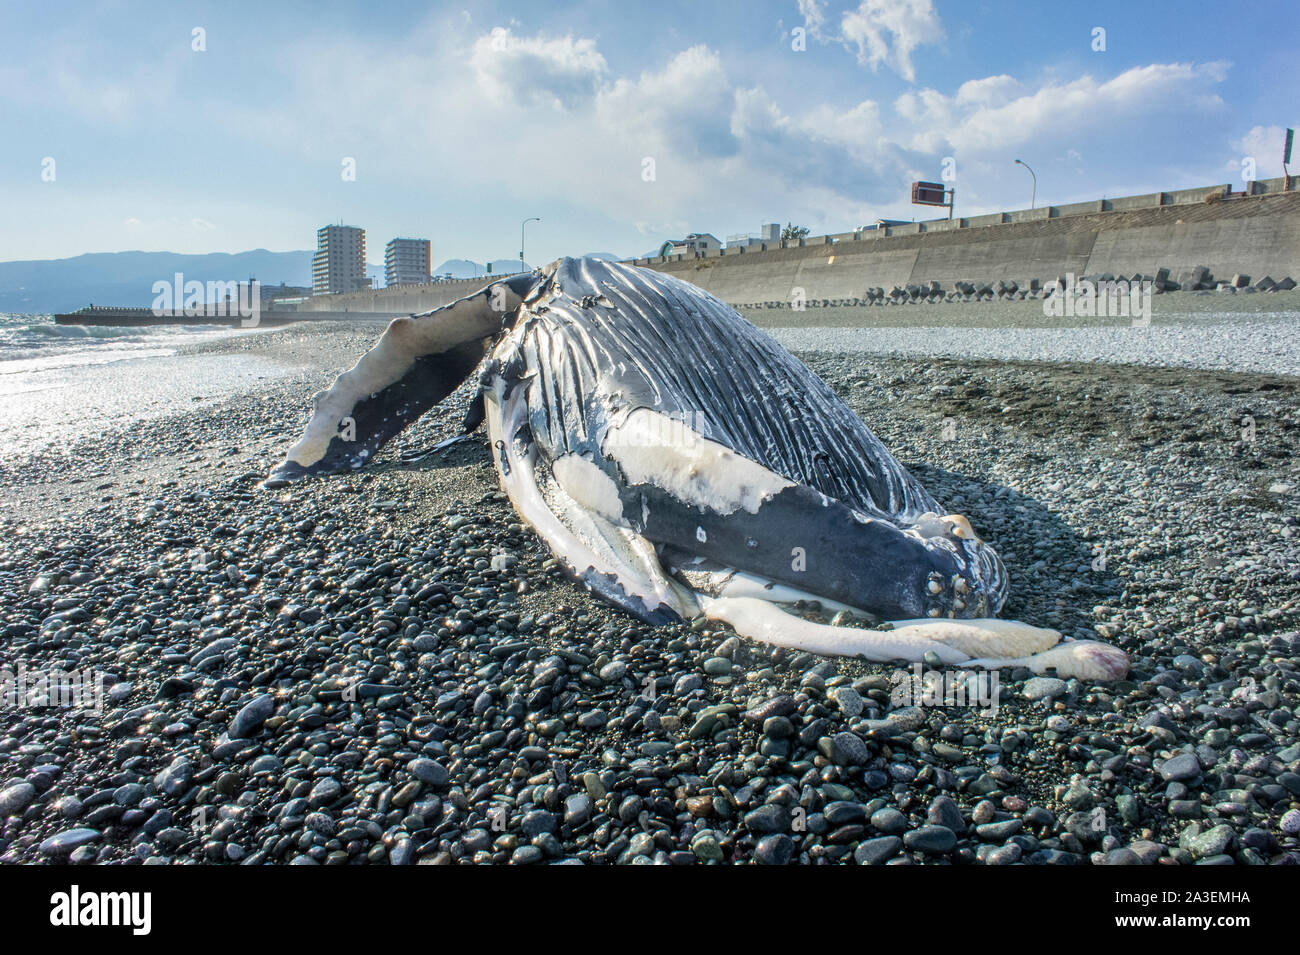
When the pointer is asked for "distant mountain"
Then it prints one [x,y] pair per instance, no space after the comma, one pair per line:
[465,269]
[127,278]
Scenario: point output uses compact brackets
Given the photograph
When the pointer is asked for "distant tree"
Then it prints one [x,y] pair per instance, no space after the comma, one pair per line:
[792,231]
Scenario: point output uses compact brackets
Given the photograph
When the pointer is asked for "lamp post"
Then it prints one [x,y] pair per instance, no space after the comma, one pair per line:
[521,238]
[1034,197]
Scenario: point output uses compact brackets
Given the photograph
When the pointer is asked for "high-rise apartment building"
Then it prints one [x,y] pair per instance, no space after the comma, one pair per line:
[406,262]
[339,264]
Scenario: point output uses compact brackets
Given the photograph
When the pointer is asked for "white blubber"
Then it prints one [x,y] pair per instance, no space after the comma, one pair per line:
[651,448]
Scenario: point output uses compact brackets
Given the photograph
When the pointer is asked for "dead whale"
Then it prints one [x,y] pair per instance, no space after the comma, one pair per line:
[679,461]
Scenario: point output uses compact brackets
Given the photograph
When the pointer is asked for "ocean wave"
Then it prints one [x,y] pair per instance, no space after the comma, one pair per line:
[26,363]
[20,340]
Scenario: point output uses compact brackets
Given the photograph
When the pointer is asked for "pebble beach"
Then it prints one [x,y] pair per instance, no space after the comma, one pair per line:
[388,668]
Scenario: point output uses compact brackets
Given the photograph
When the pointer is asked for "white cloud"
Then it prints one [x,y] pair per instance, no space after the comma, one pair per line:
[558,72]
[571,129]
[456,110]
[990,91]
[986,115]
[814,17]
[1264,144]
[887,31]
[684,108]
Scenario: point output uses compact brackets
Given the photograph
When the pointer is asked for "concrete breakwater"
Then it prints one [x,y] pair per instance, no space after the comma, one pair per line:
[1190,239]
[1104,285]
[133,317]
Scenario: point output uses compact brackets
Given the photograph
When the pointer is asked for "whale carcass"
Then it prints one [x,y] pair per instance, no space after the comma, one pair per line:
[678,461]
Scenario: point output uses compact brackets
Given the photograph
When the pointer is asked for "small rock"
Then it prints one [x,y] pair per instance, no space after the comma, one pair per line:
[775,849]
[849,749]
[1043,688]
[768,819]
[63,843]
[932,840]
[705,846]
[325,792]
[1181,767]
[251,717]
[14,799]
[876,851]
[430,772]
[848,700]
[1212,842]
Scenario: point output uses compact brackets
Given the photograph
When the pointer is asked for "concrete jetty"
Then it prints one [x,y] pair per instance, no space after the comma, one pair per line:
[143,317]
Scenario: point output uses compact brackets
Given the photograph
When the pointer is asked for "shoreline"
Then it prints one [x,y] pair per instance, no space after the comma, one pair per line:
[57,407]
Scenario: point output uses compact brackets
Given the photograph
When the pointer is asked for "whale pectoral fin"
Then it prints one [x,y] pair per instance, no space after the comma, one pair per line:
[982,637]
[995,643]
[952,641]
[992,644]
[417,362]
[768,623]
[1088,660]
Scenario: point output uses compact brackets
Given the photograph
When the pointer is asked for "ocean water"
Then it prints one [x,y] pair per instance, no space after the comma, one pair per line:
[30,344]
[58,383]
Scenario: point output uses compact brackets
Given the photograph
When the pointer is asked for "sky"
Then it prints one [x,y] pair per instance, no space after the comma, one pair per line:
[230,126]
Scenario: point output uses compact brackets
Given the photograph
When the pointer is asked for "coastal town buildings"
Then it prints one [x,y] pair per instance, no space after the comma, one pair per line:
[695,242]
[406,262]
[339,264]
[769,232]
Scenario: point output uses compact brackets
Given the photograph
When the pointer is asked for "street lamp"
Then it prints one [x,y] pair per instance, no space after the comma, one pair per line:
[521,237]
[1034,198]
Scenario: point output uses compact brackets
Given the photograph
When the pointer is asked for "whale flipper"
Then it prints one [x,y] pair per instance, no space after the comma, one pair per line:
[416,363]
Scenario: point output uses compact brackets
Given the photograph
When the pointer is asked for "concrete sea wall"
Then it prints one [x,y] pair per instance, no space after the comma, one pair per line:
[1255,233]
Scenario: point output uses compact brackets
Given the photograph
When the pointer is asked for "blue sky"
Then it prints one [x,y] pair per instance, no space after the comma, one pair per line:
[620,124]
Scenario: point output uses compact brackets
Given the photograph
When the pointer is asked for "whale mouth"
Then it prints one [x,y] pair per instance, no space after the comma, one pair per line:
[968,578]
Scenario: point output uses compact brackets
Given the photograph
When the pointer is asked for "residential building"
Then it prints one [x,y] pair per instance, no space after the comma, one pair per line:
[339,264]
[406,262]
[769,232]
[693,243]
